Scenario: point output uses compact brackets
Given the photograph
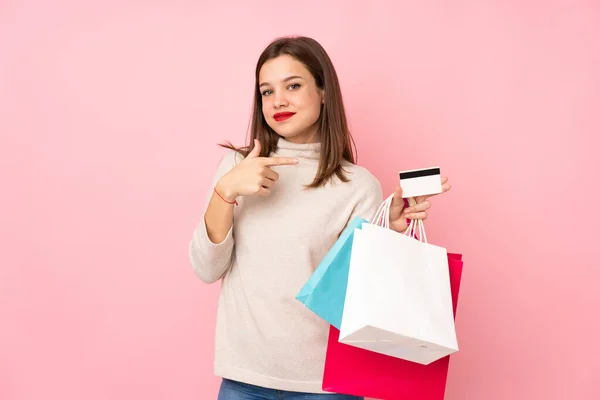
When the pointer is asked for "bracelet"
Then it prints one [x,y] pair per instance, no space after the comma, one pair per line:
[228,202]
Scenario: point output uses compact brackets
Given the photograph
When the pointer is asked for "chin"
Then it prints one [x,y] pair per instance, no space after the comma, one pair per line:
[286,132]
[286,135]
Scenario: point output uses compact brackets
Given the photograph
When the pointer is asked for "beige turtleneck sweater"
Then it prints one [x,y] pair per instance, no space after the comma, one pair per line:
[264,336]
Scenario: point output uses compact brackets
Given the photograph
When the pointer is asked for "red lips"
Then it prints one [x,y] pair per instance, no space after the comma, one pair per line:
[282,116]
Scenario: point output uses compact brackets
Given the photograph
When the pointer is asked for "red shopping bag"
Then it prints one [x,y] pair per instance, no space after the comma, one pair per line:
[355,371]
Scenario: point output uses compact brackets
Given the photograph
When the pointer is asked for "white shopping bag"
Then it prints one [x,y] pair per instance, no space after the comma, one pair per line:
[398,299]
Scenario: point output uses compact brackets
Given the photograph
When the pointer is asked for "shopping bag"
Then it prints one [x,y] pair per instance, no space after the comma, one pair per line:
[325,290]
[355,371]
[398,297]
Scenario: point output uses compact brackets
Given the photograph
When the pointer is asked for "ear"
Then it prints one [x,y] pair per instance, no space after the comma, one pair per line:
[322,96]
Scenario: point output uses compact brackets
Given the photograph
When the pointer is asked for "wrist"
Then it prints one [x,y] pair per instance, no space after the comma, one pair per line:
[225,191]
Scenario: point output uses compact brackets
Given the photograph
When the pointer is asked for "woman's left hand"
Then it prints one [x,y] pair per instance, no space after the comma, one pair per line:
[399,214]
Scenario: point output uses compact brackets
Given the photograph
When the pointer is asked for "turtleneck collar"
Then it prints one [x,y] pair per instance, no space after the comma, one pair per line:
[285,148]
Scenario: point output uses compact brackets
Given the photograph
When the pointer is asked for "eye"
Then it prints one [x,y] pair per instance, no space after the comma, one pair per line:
[294,86]
[266,92]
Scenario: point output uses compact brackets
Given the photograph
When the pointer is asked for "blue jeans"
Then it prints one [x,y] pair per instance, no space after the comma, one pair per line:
[233,390]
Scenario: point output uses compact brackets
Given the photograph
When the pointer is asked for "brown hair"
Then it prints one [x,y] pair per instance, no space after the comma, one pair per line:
[336,141]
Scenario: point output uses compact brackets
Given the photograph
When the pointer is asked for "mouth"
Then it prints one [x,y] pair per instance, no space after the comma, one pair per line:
[282,116]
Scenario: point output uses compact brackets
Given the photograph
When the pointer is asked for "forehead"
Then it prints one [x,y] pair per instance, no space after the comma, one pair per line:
[277,69]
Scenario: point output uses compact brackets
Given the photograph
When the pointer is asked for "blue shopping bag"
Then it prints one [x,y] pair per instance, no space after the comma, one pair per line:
[325,291]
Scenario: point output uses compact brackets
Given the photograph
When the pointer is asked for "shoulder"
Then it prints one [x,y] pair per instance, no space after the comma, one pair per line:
[366,191]
[229,160]
[361,178]
[233,157]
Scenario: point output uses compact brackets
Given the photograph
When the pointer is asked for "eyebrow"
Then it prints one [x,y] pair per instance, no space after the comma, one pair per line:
[289,78]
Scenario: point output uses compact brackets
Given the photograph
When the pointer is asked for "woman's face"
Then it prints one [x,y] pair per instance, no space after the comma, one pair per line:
[291,100]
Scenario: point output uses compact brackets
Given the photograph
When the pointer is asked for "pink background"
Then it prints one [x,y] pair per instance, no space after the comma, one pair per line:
[109,115]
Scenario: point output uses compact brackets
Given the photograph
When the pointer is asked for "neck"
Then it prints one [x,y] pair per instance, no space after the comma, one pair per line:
[304,139]
[287,148]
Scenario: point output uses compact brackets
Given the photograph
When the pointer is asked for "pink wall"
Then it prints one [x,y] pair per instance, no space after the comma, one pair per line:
[109,114]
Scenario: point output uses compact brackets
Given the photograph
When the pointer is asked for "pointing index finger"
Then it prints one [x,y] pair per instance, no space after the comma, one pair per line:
[272,161]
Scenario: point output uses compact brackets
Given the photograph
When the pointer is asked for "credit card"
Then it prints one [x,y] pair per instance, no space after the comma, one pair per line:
[421,182]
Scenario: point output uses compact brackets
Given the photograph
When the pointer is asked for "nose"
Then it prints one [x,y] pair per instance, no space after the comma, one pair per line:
[279,99]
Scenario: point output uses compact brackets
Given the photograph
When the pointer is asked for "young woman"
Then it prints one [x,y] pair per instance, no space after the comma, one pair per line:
[274,210]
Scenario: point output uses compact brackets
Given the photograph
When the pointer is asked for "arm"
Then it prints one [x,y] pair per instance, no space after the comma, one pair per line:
[218,217]
[212,244]
[211,248]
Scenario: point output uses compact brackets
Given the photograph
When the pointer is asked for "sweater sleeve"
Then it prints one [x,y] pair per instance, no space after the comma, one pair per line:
[370,199]
[211,260]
